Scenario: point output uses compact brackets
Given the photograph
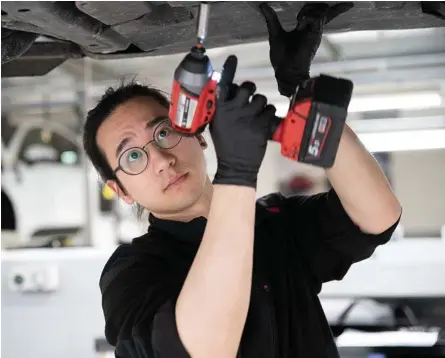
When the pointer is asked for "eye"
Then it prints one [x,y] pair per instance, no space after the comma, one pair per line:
[134,155]
[133,161]
[164,137]
[163,133]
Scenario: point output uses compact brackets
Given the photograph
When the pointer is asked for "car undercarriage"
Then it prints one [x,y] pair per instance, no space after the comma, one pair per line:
[37,36]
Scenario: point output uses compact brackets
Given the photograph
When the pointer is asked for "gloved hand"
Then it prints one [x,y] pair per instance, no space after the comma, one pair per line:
[291,53]
[240,129]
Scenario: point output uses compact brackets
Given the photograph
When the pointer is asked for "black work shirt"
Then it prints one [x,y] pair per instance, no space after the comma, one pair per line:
[300,243]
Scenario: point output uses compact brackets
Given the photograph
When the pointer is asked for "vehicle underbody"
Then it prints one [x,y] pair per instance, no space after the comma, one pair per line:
[37,36]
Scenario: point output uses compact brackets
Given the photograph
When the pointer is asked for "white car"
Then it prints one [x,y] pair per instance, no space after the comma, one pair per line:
[44,189]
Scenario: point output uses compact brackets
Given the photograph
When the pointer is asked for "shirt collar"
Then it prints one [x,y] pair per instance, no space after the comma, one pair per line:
[191,231]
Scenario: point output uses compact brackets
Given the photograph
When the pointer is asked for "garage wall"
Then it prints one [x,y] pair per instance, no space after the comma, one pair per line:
[59,324]
[419,182]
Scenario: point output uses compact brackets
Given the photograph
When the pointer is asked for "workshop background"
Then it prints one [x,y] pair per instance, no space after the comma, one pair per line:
[59,224]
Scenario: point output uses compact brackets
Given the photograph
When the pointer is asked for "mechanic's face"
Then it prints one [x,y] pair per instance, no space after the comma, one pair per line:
[173,179]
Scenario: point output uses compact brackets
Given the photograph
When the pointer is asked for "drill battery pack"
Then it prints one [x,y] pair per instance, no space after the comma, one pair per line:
[311,131]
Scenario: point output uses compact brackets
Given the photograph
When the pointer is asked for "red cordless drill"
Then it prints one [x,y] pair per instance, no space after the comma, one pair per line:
[194,89]
[311,131]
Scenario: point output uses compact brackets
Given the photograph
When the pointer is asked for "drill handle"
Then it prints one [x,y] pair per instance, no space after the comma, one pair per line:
[278,125]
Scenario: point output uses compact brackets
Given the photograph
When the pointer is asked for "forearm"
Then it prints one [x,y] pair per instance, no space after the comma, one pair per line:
[212,307]
[362,187]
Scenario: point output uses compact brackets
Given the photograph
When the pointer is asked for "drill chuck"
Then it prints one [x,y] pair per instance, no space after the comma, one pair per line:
[194,72]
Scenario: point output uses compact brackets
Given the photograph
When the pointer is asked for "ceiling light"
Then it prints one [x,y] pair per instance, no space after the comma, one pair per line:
[395,101]
[419,100]
[69,157]
[402,338]
[403,140]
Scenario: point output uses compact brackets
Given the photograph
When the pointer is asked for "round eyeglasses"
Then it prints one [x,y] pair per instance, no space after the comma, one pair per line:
[134,161]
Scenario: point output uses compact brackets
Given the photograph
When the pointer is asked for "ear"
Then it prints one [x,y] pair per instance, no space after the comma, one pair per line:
[117,189]
[202,141]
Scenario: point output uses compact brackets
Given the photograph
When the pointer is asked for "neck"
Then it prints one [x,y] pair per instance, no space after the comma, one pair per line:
[200,208]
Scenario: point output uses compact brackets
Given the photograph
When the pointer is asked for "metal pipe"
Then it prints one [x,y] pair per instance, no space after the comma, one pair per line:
[203,21]
[89,187]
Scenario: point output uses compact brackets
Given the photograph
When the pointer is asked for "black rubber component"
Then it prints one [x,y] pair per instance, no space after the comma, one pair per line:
[40,59]
[63,20]
[116,12]
[15,44]
[435,8]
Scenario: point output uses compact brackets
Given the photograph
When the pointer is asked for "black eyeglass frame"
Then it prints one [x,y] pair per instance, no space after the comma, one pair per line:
[119,167]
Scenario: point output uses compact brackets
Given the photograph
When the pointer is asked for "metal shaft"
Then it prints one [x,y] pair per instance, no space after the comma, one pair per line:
[203,20]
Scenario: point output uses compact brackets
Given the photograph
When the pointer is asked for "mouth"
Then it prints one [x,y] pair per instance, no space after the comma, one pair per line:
[175,181]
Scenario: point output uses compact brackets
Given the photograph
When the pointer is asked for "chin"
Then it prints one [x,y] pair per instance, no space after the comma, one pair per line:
[184,195]
[175,207]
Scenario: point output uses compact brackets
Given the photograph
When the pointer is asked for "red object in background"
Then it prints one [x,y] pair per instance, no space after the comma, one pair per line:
[297,184]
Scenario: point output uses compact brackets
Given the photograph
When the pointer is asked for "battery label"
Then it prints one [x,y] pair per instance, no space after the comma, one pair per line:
[320,131]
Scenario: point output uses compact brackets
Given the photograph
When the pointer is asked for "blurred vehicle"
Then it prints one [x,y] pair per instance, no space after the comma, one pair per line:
[38,36]
[44,188]
[42,185]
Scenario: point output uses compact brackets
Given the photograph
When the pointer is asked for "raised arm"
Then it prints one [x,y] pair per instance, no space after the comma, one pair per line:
[212,307]
[362,186]
[356,177]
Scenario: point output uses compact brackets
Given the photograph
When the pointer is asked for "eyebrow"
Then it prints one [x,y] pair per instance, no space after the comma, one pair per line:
[150,124]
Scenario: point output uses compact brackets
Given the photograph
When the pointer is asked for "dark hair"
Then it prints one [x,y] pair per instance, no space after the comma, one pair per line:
[113,98]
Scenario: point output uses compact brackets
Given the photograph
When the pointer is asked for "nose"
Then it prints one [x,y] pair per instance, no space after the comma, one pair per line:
[160,160]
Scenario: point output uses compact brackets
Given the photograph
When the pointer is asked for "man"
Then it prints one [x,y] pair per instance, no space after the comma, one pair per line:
[219,274]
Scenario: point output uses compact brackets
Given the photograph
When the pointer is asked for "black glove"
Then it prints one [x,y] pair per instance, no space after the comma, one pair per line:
[291,53]
[240,129]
